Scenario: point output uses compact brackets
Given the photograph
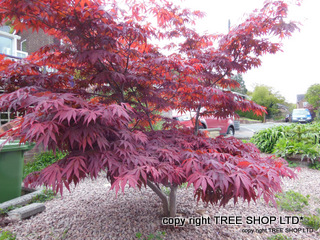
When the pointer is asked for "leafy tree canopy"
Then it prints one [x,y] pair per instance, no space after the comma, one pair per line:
[313,95]
[267,97]
[242,86]
[109,81]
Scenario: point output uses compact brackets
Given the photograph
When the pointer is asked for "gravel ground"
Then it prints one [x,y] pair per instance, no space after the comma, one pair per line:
[93,212]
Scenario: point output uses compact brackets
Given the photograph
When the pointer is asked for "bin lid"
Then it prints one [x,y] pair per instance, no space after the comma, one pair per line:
[15,146]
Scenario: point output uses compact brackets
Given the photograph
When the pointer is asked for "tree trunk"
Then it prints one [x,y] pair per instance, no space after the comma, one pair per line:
[196,124]
[169,207]
[162,196]
[173,200]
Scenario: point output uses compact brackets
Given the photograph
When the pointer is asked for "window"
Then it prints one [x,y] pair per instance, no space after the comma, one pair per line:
[6,45]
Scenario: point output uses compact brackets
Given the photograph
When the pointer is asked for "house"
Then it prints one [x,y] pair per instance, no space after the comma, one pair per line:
[10,47]
[301,102]
[9,44]
[23,43]
[31,41]
[19,46]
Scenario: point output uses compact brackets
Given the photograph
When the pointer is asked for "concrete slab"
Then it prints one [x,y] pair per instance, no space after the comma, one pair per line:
[22,200]
[26,211]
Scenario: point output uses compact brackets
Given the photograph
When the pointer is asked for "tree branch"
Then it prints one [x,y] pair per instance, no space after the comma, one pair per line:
[162,196]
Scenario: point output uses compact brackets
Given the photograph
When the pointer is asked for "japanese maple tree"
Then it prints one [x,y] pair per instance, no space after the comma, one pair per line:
[98,94]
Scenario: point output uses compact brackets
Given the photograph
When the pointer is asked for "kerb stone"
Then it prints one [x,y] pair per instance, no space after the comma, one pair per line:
[26,211]
[23,200]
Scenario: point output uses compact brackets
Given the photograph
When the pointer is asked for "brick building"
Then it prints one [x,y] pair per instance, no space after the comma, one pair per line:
[301,102]
[21,44]
[31,41]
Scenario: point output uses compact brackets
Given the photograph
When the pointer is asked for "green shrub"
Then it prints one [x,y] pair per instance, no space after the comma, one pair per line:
[300,140]
[249,115]
[266,139]
[314,165]
[6,235]
[290,147]
[286,141]
[292,164]
[279,237]
[312,221]
[158,235]
[292,201]
[42,161]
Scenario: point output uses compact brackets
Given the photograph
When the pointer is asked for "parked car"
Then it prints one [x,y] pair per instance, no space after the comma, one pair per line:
[288,118]
[187,119]
[301,115]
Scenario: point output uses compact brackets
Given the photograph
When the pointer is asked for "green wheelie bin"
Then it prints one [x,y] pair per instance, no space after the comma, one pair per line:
[11,169]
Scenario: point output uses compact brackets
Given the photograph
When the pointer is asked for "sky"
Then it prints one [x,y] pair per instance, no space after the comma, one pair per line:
[290,72]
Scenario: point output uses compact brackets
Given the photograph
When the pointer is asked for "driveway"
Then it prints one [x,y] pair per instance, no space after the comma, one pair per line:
[247,130]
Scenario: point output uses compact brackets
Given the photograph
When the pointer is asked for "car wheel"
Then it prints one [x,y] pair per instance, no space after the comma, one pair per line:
[230,131]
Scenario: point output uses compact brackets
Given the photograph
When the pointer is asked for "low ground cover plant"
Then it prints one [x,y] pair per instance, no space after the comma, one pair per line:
[292,164]
[42,161]
[6,235]
[312,221]
[3,212]
[46,195]
[279,237]
[292,201]
[157,236]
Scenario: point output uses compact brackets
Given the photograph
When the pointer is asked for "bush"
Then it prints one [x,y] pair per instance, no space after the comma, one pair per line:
[290,147]
[312,221]
[286,141]
[6,235]
[300,140]
[249,115]
[279,237]
[315,165]
[292,201]
[41,161]
[292,164]
[158,236]
[266,139]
